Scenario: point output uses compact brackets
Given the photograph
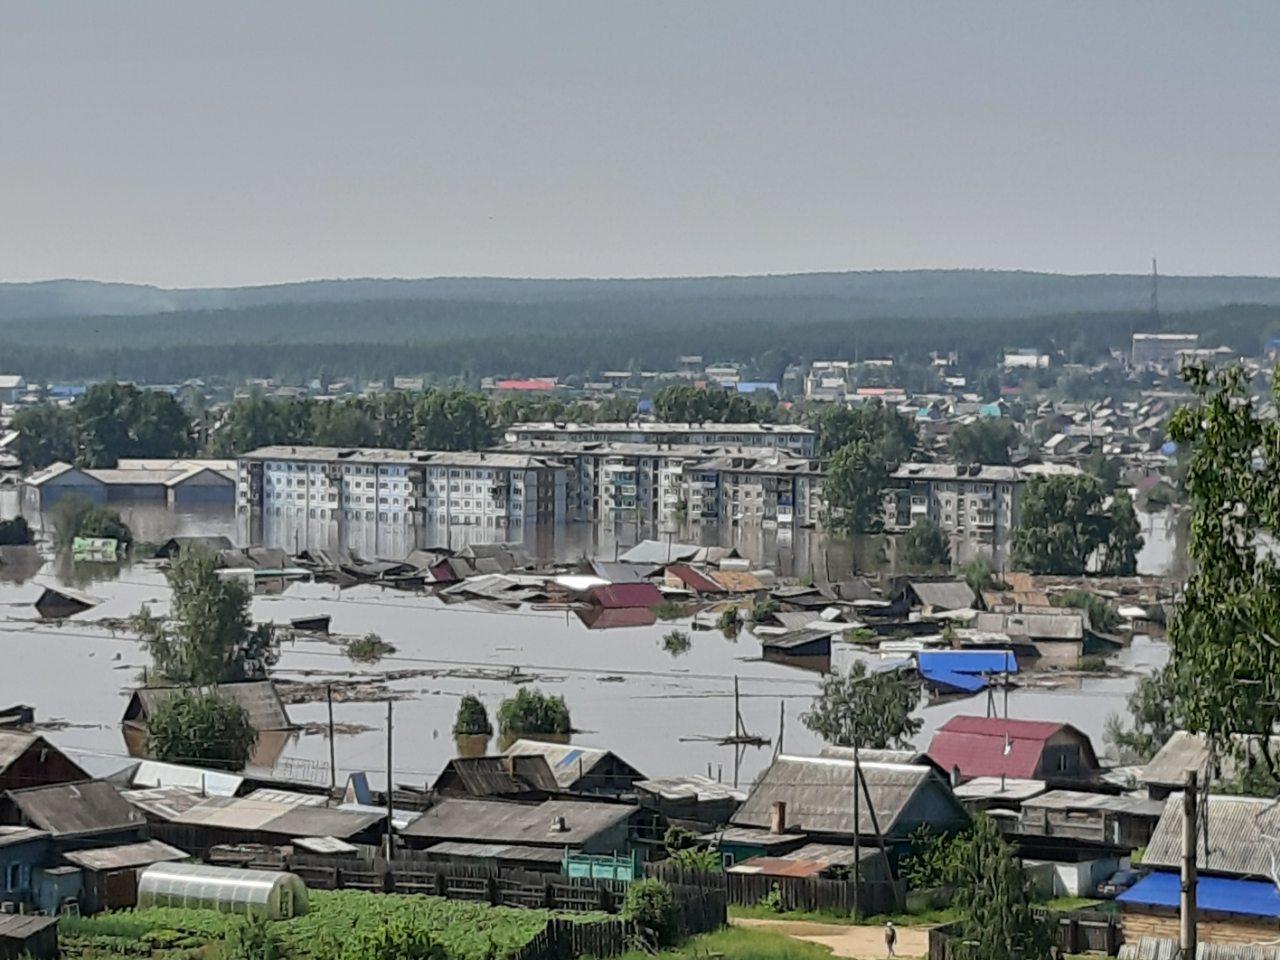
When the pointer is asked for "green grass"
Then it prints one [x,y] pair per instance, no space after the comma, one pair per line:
[470,931]
[926,918]
[738,943]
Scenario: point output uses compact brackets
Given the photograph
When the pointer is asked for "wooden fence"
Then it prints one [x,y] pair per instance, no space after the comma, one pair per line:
[794,893]
[1082,931]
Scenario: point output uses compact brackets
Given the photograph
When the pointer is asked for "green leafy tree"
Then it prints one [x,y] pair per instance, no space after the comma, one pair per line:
[452,420]
[1154,716]
[210,637]
[46,434]
[76,516]
[1064,522]
[117,420]
[980,575]
[204,729]
[1124,539]
[472,718]
[994,900]
[532,711]
[853,489]
[1102,616]
[650,905]
[925,545]
[1224,637]
[873,709]
[890,435]
[984,442]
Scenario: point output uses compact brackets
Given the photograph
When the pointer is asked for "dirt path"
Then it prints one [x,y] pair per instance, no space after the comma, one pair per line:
[864,943]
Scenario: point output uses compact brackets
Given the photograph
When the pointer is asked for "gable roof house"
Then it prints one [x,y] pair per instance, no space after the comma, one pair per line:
[29,760]
[811,798]
[579,769]
[1056,753]
[89,813]
[522,777]
[932,597]
[1238,847]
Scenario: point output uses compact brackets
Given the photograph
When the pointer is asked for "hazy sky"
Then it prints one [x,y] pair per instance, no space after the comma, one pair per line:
[226,142]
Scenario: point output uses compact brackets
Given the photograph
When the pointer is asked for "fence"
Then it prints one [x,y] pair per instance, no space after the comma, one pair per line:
[1083,931]
[795,893]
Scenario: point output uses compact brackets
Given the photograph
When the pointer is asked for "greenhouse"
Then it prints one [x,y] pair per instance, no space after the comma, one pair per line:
[262,893]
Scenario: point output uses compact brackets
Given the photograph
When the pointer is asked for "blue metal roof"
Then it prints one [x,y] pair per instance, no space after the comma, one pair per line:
[1252,898]
[962,670]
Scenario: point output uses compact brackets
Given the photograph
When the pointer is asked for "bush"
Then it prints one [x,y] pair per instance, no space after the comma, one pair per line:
[765,609]
[651,907]
[252,940]
[201,728]
[369,649]
[773,900]
[398,939]
[676,643]
[729,622]
[74,516]
[1102,616]
[668,610]
[472,718]
[532,711]
[15,532]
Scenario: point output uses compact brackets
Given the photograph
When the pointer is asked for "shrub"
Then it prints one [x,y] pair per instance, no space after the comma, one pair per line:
[472,718]
[1102,616]
[532,711]
[729,622]
[369,649]
[651,907]
[398,939]
[75,516]
[252,940]
[676,643]
[773,900]
[764,609]
[201,728]
[668,610]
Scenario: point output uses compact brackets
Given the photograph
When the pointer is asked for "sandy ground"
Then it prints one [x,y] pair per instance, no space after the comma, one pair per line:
[864,943]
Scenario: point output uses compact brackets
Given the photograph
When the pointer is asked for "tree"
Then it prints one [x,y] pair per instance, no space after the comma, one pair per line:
[452,420]
[1065,521]
[1224,637]
[532,711]
[853,488]
[210,637]
[651,907]
[993,897]
[873,709]
[890,435]
[925,545]
[1124,539]
[46,434]
[1155,716]
[980,575]
[984,442]
[76,516]
[472,718]
[205,729]
[116,420]
[1102,616]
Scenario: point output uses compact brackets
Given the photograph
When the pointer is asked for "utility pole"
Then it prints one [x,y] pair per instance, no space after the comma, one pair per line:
[333,764]
[1187,902]
[857,852]
[390,781]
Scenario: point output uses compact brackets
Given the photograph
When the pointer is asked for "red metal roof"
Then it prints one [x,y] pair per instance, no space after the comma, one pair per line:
[695,580]
[627,595]
[991,746]
[526,385]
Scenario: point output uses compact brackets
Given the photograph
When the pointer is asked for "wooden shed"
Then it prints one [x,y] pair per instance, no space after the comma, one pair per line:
[28,936]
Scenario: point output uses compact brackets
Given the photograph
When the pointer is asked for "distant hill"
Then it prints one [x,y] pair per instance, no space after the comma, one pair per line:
[954,294]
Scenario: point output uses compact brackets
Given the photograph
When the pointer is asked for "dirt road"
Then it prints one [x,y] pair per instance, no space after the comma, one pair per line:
[864,943]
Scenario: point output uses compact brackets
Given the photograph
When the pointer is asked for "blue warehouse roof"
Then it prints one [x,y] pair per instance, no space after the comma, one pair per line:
[1252,898]
[962,670]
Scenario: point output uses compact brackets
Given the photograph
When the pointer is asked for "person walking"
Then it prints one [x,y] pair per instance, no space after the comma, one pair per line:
[890,938]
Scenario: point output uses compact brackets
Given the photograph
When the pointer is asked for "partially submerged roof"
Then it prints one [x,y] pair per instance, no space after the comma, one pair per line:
[943,594]
[627,595]
[125,856]
[500,821]
[76,809]
[657,552]
[1228,841]
[258,697]
[818,794]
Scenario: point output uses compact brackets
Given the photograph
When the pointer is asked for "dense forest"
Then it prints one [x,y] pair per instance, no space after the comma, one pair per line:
[640,327]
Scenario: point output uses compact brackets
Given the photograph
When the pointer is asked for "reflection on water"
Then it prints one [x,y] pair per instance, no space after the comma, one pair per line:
[624,691]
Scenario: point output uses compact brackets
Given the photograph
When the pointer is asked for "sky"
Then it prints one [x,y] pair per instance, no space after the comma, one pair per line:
[216,143]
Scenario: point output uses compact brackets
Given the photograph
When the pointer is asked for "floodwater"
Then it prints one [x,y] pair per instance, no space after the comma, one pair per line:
[623,689]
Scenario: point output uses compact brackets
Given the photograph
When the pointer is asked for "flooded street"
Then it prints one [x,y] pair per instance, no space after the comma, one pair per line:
[623,689]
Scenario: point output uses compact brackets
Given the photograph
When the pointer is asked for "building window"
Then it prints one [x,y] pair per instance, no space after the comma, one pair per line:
[13,877]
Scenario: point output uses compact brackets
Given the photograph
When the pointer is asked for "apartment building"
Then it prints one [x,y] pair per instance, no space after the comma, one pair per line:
[652,483]
[400,487]
[783,436]
[976,505]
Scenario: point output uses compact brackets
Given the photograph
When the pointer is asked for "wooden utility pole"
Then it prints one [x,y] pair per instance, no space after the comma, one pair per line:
[857,852]
[390,787]
[333,764]
[1187,904]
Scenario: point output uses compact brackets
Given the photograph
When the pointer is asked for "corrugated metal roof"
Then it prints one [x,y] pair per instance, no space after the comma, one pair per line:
[993,746]
[818,792]
[694,787]
[570,763]
[497,851]
[1250,898]
[126,855]
[1080,800]
[304,821]
[1229,838]
[233,813]
[74,809]
[499,821]
[494,776]
[695,580]
[1184,752]
[943,594]
[164,803]
[1000,788]
[627,595]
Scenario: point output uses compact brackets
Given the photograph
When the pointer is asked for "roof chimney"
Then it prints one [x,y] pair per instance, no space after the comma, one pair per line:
[559,825]
[778,817]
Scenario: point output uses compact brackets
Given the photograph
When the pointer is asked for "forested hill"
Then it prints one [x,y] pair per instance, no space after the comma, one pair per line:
[907,294]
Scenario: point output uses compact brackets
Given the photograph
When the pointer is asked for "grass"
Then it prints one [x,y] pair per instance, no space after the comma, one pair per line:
[1067,904]
[470,931]
[926,918]
[739,943]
